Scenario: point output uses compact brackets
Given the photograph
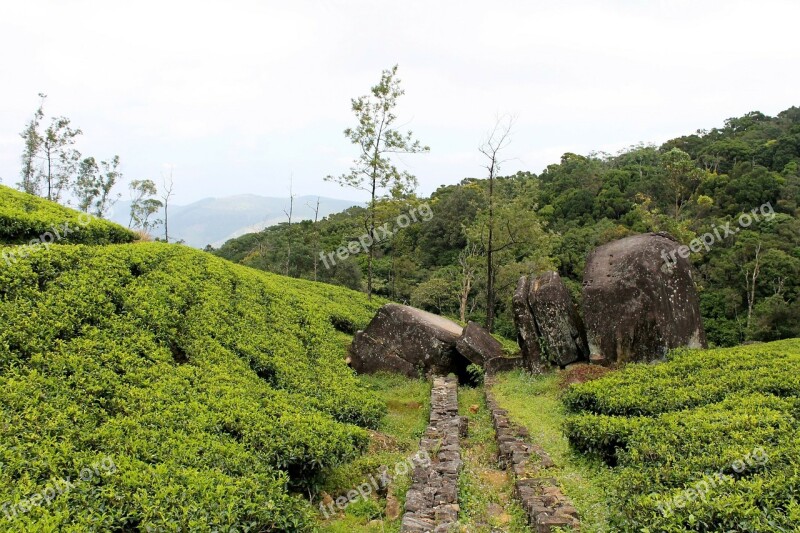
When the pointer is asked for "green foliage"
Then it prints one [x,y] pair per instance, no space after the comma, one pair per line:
[94,184]
[396,439]
[24,217]
[373,171]
[475,373]
[689,186]
[217,390]
[691,379]
[144,204]
[707,441]
[49,162]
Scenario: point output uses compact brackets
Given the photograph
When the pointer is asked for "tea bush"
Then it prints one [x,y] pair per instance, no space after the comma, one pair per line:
[682,436]
[220,392]
[24,217]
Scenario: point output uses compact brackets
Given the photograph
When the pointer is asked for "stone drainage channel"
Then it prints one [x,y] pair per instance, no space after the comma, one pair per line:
[432,501]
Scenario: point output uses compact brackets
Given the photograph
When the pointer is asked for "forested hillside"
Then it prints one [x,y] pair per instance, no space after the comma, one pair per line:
[747,267]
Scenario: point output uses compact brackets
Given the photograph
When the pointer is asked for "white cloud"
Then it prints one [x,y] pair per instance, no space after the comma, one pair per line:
[241,94]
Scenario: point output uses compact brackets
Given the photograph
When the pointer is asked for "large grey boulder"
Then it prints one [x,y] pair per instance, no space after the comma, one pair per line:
[527,336]
[549,328]
[409,341]
[557,320]
[638,302]
[478,345]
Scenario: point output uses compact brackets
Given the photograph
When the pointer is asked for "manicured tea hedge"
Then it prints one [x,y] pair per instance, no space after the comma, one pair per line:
[24,217]
[692,379]
[217,390]
[682,435]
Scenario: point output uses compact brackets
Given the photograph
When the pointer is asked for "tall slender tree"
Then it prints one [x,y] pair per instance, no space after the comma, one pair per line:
[496,141]
[143,204]
[60,159]
[94,184]
[33,142]
[289,214]
[315,236]
[378,138]
[166,194]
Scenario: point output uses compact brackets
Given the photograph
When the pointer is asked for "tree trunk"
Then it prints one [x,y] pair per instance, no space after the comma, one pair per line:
[316,239]
[489,258]
[750,282]
[464,299]
[49,175]
[371,255]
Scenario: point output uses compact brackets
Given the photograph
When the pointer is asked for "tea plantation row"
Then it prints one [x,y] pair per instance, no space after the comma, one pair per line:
[708,441]
[217,391]
[25,218]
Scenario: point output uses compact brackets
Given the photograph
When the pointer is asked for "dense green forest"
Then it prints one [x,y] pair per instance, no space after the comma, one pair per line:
[747,267]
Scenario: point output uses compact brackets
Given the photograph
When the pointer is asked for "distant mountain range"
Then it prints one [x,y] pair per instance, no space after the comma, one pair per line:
[215,220]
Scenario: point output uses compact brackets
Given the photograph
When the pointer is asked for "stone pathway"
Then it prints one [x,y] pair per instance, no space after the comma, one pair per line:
[544,503]
[432,500]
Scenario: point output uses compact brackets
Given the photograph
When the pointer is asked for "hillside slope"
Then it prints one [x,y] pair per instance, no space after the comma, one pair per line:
[215,220]
[24,218]
[213,390]
[691,186]
[708,441]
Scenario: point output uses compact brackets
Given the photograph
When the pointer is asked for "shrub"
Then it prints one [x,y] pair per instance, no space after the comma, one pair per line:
[24,218]
[217,390]
[681,436]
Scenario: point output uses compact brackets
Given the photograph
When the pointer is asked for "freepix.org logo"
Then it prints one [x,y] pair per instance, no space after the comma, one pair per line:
[44,240]
[717,234]
[382,233]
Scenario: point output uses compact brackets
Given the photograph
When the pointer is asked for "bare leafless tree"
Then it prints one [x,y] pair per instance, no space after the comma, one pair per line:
[316,236]
[496,141]
[289,218]
[166,193]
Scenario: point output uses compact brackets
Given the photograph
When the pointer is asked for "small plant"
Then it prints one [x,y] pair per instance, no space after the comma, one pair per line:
[476,374]
[366,509]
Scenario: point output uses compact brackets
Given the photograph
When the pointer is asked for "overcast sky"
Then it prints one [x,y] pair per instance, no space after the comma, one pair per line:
[239,95]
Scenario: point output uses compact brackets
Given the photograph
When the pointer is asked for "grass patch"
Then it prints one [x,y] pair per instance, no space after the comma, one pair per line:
[533,401]
[395,440]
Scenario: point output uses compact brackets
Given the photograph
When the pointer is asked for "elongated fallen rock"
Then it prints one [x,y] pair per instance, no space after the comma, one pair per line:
[478,345]
[409,341]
